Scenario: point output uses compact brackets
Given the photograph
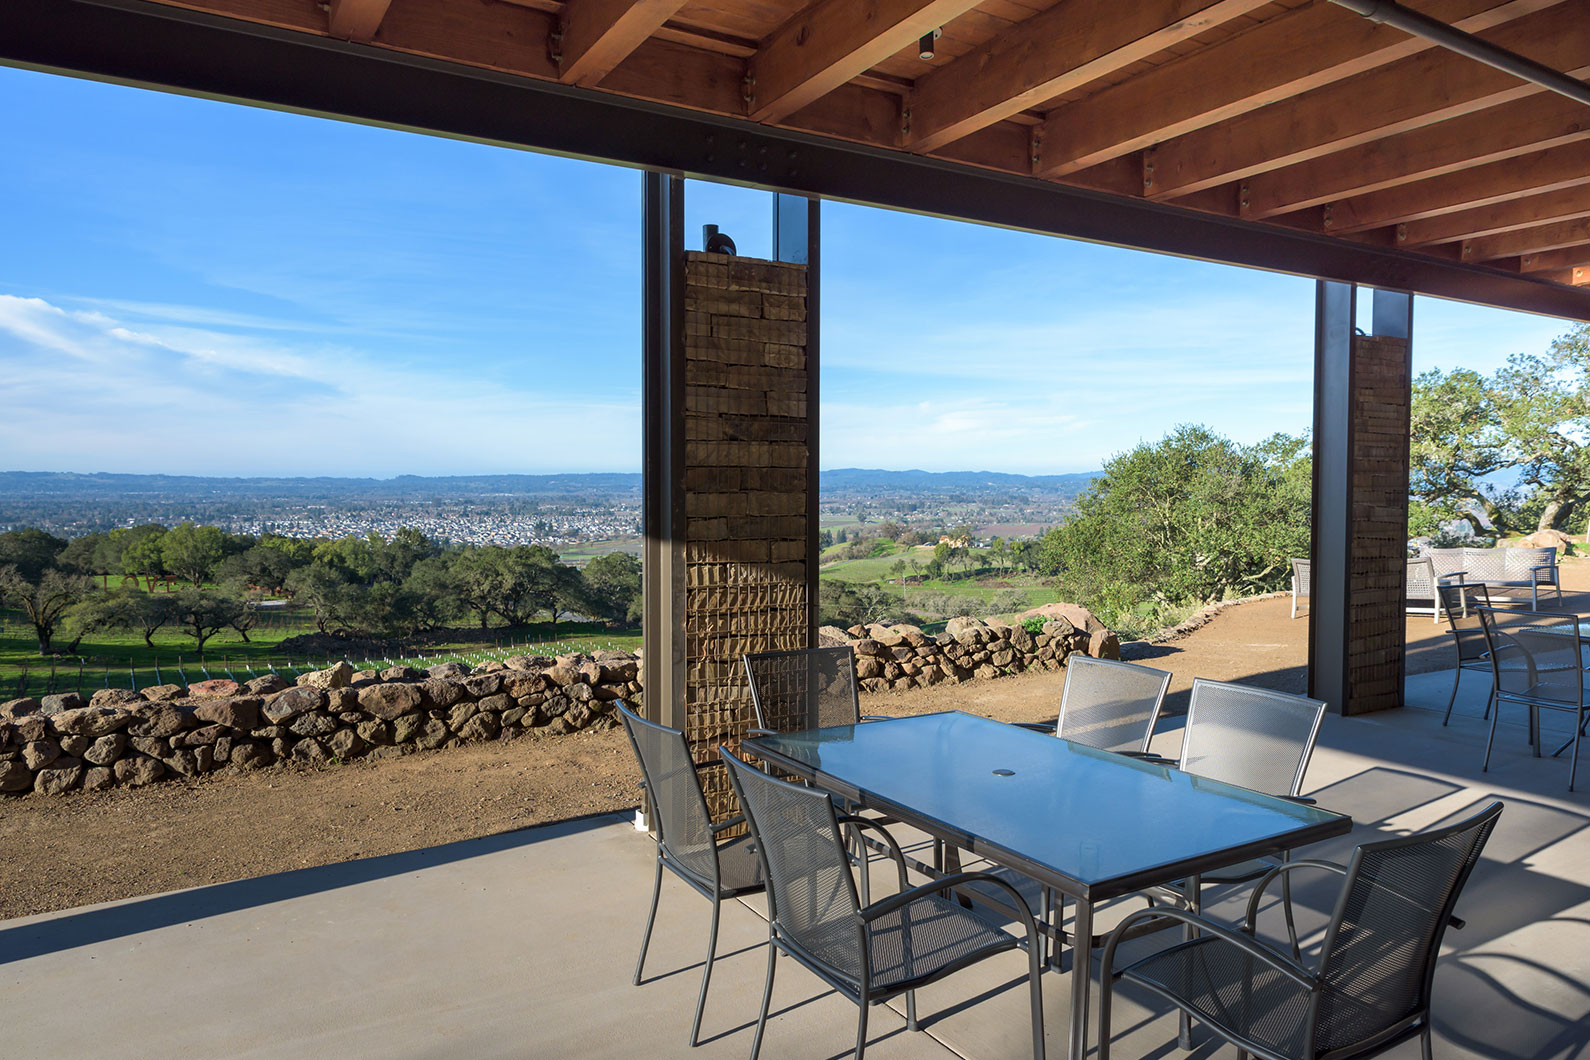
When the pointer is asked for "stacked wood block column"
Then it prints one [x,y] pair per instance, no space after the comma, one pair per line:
[1377,626]
[746,477]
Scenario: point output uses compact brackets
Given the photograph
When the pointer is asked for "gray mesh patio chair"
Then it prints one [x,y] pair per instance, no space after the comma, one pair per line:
[1424,585]
[1371,989]
[1537,662]
[1109,705]
[1254,738]
[1461,603]
[1299,582]
[867,953]
[815,688]
[687,840]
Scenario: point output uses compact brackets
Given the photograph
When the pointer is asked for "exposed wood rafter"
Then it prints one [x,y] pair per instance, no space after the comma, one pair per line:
[1554,260]
[833,42]
[356,20]
[1430,87]
[1299,51]
[597,35]
[1050,54]
[1562,205]
[1525,241]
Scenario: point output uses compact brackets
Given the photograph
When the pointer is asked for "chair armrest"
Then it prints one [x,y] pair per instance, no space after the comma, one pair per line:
[1240,939]
[761,732]
[1151,757]
[1038,726]
[888,905]
[876,717]
[1458,574]
[1285,866]
[723,826]
[857,821]
[1306,800]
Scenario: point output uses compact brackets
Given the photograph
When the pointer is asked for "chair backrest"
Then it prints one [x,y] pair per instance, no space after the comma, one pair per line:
[1382,943]
[684,827]
[1462,605]
[1421,579]
[1251,737]
[797,690]
[1110,705]
[1518,562]
[1300,577]
[811,896]
[1535,655]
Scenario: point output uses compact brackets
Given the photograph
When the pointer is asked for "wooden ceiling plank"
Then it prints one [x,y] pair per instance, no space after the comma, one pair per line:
[1533,174]
[1299,51]
[1430,87]
[1048,55]
[356,20]
[1553,260]
[597,35]
[1561,205]
[1526,241]
[1526,125]
[833,42]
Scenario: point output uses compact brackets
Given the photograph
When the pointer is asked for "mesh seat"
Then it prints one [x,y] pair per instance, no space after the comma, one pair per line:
[868,953]
[1372,987]
[1467,623]
[1537,661]
[687,840]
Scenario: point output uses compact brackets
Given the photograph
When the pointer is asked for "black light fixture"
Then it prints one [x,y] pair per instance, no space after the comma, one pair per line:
[716,242]
[925,45]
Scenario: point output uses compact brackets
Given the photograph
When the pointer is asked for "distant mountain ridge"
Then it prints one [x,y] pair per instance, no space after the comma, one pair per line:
[58,484]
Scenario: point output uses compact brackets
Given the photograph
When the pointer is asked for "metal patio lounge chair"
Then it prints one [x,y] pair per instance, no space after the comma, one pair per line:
[687,840]
[814,688]
[1299,582]
[867,953]
[1371,989]
[1537,662]
[1461,603]
[1110,705]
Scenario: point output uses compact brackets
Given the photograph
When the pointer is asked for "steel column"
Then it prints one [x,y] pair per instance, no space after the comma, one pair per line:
[663,554]
[1335,307]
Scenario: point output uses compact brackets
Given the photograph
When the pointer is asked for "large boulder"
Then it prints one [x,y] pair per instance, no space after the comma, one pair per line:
[137,770]
[13,709]
[1076,614]
[63,775]
[389,701]
[1546,539]
[14,776]
[114,697]
[237,712]
[162,693]
[218,686]
[450,670]
[293,702]
[92,722]
[61,701]
[338,676]
[266,685]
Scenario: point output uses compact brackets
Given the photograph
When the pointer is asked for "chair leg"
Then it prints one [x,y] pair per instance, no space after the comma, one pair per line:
[861,1026]
[706,975]
[1424,1042]
[1286,907]
[1573,764]
[767,997]
[1457,676]
[645,939]
[1035,961]
[1491,739]
[1490,701]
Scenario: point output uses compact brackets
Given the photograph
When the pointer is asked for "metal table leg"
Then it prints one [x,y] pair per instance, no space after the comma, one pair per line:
[1081,977]
[1195,888]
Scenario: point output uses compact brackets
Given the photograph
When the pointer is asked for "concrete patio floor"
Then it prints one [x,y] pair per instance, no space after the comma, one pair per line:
[523,944]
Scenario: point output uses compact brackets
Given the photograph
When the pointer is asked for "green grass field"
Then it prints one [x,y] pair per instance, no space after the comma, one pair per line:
[123,660]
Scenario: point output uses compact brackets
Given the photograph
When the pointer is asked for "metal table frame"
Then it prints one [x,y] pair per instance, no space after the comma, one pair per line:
[1084,895]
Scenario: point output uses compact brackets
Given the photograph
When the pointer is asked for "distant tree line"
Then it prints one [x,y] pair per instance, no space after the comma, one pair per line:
[373,586]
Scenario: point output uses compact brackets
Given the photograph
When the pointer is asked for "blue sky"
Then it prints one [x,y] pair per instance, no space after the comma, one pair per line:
[192,287]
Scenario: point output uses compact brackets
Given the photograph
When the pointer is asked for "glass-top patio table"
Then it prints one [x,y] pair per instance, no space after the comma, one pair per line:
[1091,824]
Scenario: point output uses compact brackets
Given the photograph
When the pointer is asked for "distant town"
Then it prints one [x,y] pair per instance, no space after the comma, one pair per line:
[553,510]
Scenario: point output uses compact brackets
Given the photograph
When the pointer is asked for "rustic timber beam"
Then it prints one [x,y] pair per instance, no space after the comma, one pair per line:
[356,20]
[1561,205]
[1553,260]
[1517,128]
[597,35]
[828,44]
[1526,241]
[158,46]
[1532,174]
[1429,87]
[1295,52]
[1048,55]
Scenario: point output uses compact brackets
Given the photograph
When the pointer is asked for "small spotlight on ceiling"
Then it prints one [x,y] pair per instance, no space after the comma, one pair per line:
[925,45]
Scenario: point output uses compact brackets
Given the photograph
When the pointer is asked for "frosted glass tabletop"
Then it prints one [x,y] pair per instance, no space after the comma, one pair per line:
[1091,823]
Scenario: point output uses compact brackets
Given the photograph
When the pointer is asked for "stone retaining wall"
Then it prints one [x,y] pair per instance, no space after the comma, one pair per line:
[124,738]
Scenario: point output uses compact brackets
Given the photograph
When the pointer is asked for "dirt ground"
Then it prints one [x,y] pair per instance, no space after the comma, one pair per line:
[86,847]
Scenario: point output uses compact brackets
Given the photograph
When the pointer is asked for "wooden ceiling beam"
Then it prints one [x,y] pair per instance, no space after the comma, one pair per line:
[1578,276]
[356,20]
[1295,52]
[1553,260]
[834,41]
[1532,174]
[1430,87]
[597,35]
[1050,54]
[1525,241]
[1513,129]
[1562,205]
